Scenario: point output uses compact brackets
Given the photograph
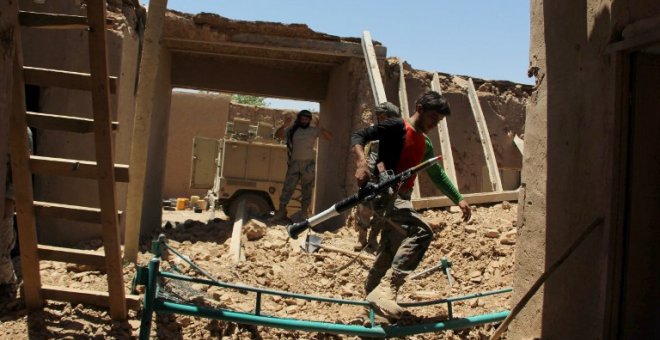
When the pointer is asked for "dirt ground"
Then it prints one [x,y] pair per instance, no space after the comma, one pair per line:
[481,252]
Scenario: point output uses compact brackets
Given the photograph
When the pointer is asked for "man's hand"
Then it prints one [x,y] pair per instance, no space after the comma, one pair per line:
[362,173]
[465,208]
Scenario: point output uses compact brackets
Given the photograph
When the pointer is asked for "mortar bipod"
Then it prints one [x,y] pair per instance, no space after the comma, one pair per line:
[156,302]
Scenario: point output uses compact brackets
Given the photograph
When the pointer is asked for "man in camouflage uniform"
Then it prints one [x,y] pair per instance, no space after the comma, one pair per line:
[301,137]
[365,211]
[405,236]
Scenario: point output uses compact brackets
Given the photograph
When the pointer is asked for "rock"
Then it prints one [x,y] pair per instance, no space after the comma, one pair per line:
[506,205]
[470,229]
[436,223]
[454,209]
[291,309]
[508,241]
[421,295]
[254,231]
[492,233]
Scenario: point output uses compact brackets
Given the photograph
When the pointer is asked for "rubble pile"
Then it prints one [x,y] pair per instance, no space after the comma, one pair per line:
[481,252]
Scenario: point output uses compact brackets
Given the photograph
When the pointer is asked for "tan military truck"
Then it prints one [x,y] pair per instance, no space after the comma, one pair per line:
[247,165]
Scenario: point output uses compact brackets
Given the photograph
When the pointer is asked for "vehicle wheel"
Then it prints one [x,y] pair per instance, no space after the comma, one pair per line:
[255,205]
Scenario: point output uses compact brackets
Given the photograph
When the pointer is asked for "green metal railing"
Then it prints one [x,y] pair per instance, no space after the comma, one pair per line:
[152,303]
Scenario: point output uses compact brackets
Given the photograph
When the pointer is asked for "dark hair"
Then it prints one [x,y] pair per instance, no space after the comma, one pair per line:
[388,109]
[304,113]
[434,101]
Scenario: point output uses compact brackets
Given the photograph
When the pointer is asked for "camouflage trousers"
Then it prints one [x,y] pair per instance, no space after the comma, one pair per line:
[404,240]
[305,172]
[7,241]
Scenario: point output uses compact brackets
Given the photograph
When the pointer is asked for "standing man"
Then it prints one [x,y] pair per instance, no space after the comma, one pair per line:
[405,237]
[365,211]
[301,166]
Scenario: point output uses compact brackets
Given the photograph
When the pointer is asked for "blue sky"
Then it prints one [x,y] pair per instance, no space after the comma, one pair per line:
[478,38]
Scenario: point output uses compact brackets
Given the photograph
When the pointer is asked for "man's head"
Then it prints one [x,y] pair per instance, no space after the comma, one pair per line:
[430,108]
[386,110]
[304,118]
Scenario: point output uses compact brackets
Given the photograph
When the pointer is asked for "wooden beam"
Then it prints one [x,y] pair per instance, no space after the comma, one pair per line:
[372,68]
[636,42]
[57,21]
[476,198]
[64,79]
[336,48]
[22,179]
[87,297]
[257,43]
[144,107]
[69,212]
[403,103]
[62,123]
[235,249]
[520,144]
[73,168]
[445,142]
[70,255]
[98,62]
[8,23]
[484,136]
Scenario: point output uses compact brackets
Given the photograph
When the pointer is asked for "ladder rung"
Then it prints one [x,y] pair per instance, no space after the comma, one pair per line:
[65,79]
[68,212]
[72,168]
[88,297]
[70,255]
[49,121]
[51,20]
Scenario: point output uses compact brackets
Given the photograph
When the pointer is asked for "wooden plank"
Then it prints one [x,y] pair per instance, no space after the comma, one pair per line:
[22,179]
[98,61]
[520,144]
[57,21]
[73,168]
[372,68]
[64,79]
[636,42]
[62,123]
[403,103]
[86,297]
[70,255]
[484,136]
[235,248]
[144,107]
[257,43]
[68,212]
[476,198]
[445,142]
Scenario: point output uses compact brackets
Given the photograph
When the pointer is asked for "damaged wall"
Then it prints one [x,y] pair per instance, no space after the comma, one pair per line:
[574,172]
[68,50]
[192,114]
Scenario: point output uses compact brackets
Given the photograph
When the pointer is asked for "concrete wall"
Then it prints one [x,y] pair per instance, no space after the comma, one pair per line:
[572,139]
[53,49]
[191,115]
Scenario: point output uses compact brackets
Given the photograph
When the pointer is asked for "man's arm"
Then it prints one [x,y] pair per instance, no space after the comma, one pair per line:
[280,133]
[362,174]
[442,182]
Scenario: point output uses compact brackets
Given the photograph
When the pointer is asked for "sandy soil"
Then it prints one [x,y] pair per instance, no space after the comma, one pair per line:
[481,252]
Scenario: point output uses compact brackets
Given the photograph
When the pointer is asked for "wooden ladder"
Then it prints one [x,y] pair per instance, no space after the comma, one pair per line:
[104,171]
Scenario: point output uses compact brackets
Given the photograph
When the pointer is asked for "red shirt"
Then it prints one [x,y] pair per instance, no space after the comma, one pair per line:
[412,154]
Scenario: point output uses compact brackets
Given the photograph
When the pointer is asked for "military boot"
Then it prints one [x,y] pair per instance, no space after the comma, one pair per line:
[383,297]
[362,239]
[280,214]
